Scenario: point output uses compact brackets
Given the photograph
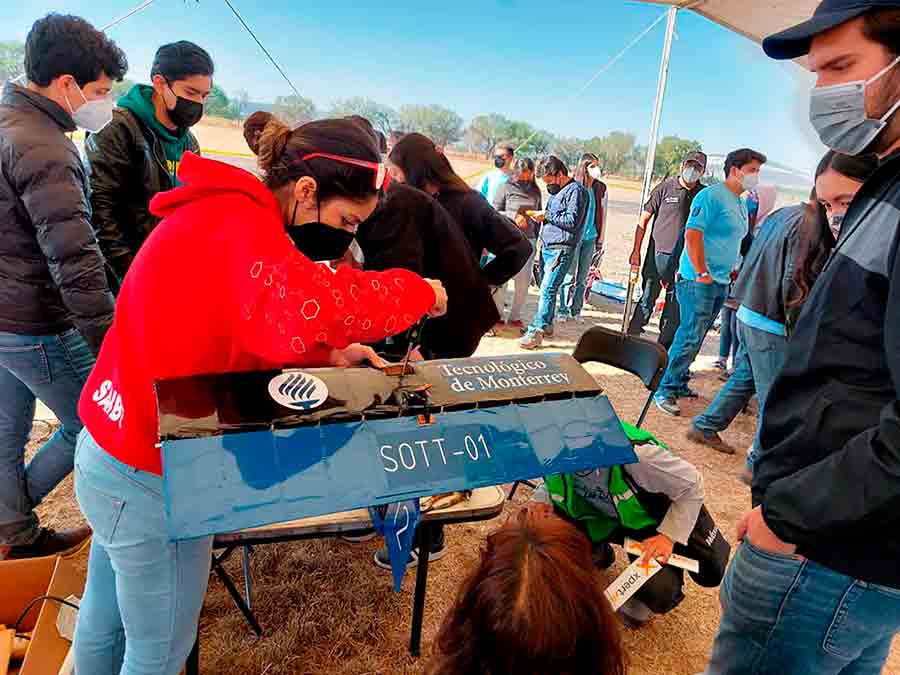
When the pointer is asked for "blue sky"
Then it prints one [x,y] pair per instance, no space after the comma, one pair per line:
[520,58]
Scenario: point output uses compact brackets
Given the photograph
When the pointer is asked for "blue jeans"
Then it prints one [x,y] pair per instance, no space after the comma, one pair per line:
[144,592]
[731,399]
[571,299]
[767,352]
[728,342]
[556,265]
[783,615]
[699,305]
[54,369]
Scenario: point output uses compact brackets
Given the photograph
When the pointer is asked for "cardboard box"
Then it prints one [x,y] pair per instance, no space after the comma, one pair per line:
[21,581]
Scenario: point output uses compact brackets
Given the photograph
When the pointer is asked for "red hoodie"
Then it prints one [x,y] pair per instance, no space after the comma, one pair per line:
[219,287]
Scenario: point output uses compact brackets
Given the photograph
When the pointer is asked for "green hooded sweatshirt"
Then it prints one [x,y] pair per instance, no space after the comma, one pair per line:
[139,101]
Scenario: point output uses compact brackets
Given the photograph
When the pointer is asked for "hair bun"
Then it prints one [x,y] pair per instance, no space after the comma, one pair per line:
[267,136]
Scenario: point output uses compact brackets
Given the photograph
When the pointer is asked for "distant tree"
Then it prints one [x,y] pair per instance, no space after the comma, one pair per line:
[384,118]
[441,125]
[218,104]
[119,89]
[569,150]
[670,153]
[295,110]
[485,131]
[12,60]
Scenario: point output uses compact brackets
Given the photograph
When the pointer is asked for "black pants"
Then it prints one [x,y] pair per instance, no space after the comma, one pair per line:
[664,592]
[651,277]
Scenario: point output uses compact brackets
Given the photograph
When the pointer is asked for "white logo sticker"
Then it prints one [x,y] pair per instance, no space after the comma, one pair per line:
[299,391]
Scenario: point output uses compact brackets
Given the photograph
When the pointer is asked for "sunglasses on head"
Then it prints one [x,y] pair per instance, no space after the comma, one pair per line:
[382,173]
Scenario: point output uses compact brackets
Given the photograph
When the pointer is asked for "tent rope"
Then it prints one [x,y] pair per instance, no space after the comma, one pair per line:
[265,51]
[609,64]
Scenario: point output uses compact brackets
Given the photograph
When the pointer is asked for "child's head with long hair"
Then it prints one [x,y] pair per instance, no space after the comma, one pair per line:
[535,605]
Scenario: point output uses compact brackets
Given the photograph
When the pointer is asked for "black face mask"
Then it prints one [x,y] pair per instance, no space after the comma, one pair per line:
[186,113]
[318,241]
[499,162]
[554,188]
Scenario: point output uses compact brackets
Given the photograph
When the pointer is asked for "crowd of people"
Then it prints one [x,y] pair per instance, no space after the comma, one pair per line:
[145,261]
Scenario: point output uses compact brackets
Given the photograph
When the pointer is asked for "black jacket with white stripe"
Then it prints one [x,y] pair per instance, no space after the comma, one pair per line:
[829,476]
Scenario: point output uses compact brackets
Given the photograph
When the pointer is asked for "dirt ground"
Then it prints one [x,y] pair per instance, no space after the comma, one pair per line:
[325,608]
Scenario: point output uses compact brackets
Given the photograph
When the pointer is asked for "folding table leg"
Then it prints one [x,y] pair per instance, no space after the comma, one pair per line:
[426,536]
[236,596]
[248,582]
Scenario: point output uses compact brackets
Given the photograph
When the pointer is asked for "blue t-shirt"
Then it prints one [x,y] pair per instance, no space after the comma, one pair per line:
[490,183]
[590,220]
[722,218]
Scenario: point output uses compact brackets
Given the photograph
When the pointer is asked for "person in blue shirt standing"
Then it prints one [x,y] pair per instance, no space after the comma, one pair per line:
[571,298]
[504,155]
[713,235]
[563,219]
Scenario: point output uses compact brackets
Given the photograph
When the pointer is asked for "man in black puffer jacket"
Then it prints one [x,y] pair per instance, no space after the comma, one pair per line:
[137,154]
[55,305]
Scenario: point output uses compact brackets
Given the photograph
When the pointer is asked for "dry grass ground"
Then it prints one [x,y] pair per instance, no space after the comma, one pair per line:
[326,609]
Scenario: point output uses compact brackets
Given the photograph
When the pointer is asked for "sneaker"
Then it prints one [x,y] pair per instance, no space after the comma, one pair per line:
[563,318]
[383,558]
[668,404]
[634,614]
[517,324]
[532,339]
[496,329]
[710,439]
[604,556]
[360,538]
[686,392]
[50,542]
[548,331]
[720,364]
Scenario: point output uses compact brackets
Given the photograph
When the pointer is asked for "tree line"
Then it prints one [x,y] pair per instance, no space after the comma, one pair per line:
[618,151]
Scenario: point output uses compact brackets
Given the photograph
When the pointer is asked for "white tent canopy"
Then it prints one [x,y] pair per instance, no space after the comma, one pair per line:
[754,19]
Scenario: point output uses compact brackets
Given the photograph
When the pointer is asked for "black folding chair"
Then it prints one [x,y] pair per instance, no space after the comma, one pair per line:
[645,359]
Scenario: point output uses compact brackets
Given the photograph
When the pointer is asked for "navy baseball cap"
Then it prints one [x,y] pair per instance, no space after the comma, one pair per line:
[794,42]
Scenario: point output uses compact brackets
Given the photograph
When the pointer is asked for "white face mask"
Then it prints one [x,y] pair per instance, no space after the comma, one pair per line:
[835,224]
[750,181]
[93,115]
[838,114]
[595,172]
[690,175]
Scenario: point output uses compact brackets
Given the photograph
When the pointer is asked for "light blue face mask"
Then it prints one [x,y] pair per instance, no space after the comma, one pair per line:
[690,175]
[838,114]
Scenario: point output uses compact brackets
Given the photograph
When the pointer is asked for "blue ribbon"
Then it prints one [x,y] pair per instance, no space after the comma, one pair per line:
[397,523]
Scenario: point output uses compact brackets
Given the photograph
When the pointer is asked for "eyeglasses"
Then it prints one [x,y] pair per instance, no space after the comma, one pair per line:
[382,173]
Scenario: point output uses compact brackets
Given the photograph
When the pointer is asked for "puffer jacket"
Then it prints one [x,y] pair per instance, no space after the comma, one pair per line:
[127,168]
[51,269]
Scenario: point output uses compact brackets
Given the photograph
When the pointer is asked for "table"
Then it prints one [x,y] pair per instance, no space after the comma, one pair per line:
[484,504]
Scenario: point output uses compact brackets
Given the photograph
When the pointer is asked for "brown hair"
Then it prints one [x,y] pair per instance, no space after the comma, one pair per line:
[535,605]
[280,151]
[883,26]
[815,237]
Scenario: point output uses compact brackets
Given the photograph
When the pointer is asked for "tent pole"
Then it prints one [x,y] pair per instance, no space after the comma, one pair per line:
[651,148]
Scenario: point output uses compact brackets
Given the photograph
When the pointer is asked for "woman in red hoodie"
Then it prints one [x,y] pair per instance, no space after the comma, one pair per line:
[218,287]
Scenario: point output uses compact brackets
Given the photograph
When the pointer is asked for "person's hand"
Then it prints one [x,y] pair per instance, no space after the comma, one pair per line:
[753,526]
[658,548]
[705,280]
[355,355]
[537,216]
[440,299]
[635,260]
[540,509]
[522,222]
[416,355]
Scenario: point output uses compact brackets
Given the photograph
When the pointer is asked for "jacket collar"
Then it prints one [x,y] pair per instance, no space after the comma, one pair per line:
[21,98]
